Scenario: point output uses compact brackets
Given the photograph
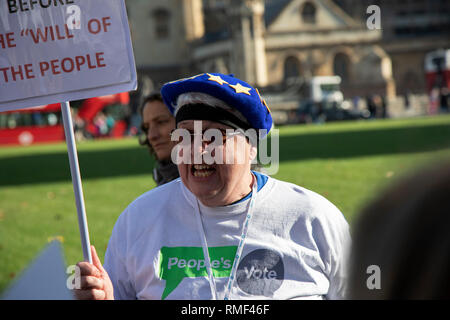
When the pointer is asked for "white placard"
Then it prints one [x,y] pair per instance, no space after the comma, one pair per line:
[53,51]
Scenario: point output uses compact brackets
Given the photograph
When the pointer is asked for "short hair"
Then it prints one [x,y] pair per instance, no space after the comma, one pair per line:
[204,98]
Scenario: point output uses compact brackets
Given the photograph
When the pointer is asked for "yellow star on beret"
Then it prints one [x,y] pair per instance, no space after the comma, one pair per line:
[239,88]
[263,101]
[217,79]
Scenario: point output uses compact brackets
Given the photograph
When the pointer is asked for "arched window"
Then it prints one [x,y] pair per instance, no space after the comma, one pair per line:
[341,67]
[291,68]
[161,19]
[308,13]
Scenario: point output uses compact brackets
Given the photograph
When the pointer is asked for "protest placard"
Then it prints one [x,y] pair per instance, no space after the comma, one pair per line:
[61,50]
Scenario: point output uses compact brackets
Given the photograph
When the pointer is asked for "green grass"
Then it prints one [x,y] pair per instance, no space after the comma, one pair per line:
[348,163]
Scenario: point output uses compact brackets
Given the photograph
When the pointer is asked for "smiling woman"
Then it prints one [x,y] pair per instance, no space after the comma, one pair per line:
[282,241]
[225,181]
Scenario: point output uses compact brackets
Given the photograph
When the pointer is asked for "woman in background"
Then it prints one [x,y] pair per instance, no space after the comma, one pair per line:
[157,124]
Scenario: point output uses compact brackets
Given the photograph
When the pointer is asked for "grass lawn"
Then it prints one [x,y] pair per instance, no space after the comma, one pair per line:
[348,163]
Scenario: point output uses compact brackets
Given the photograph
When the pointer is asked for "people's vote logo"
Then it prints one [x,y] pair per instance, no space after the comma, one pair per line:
[261,272]
[178,263]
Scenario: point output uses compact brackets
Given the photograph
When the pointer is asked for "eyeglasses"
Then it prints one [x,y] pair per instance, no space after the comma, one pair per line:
[207,136]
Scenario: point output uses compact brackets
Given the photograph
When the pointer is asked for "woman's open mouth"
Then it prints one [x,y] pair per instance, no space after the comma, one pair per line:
[202,170]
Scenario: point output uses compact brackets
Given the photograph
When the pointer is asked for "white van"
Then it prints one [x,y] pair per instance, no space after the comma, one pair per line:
[326,89]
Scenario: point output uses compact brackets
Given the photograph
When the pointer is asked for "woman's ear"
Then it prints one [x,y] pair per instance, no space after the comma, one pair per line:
[253,153]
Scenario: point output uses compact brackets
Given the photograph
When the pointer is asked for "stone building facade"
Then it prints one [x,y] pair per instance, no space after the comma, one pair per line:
[410,30]
[275,44]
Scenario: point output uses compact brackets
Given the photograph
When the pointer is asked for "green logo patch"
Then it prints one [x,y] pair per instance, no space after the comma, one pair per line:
[177,263]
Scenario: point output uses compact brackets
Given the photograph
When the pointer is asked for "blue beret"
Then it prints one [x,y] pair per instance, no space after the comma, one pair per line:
[234,92]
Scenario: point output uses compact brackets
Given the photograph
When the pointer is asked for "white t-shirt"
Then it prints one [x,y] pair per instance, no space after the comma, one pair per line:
[296,246]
